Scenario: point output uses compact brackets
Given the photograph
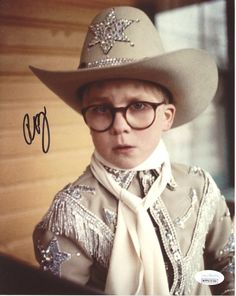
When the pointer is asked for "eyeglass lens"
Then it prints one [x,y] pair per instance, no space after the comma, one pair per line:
[139,115]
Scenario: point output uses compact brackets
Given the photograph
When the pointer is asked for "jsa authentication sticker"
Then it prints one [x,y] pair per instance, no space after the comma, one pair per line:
[209,277]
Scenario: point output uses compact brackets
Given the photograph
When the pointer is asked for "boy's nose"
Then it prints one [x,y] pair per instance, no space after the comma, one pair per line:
[120,124]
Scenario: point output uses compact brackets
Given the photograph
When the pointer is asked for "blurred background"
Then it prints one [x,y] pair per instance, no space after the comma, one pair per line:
[49,34]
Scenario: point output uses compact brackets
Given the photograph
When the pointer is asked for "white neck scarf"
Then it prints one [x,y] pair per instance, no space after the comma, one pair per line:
[136,263]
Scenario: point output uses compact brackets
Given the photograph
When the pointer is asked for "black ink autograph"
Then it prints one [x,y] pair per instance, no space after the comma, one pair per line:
[30,134]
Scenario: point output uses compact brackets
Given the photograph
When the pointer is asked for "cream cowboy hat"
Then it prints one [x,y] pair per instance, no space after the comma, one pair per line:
[122,42]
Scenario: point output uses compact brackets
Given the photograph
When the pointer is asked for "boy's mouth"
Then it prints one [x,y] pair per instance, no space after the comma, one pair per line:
[123,148]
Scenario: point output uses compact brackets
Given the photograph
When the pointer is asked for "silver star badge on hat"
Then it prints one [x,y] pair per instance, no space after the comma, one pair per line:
[109,31]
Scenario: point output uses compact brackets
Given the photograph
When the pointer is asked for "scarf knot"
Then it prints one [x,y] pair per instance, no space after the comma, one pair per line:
[133,203]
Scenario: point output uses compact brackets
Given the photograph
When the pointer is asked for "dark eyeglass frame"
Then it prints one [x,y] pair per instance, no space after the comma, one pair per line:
[123,110]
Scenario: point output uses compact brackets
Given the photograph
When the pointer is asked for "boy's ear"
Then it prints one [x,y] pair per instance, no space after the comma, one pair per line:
[169,115]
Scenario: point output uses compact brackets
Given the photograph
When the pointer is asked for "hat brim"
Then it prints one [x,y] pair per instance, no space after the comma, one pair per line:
[189,74]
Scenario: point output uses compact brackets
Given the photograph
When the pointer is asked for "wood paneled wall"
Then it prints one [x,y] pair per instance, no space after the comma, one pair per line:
[47,34]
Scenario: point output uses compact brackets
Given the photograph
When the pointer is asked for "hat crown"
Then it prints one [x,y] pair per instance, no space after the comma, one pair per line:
[124,40]
[119,35]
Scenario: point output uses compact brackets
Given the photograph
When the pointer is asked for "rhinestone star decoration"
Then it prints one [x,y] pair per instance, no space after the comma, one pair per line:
[110,216]
[109,31]
[52,257]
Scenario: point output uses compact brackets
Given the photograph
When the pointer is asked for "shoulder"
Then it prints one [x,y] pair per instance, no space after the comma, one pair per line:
[82,199]
[194,176]
[196,187]
[78,213]
[83,193]
[181,171]
[72,198]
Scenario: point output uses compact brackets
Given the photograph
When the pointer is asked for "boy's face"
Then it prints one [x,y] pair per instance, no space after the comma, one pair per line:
[121,145]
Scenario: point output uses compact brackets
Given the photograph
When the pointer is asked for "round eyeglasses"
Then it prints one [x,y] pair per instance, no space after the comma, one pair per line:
[138,115]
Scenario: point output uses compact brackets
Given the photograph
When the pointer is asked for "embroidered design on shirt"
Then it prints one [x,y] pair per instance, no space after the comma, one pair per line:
[172,185]
[147,179]
[122,177]
[229,250]
[180,222]
[210,198]
[230,246]
[110,30]
[195,170]
[69,217]
[52,257]
[111,217]
[76,190]
[230,267]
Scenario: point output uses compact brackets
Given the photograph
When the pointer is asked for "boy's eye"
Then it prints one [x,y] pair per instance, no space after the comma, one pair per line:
[138,106]
[101,109]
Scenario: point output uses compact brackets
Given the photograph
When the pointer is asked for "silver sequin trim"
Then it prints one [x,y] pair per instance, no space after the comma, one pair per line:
[180,222]
[52,258]
[76,190]
[230,246]
[211,196]
[170,241]
[109,62]
[110,30]
[229,250]
[68,217]
[230,267]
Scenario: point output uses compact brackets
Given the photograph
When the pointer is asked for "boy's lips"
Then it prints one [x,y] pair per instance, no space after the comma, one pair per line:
[123,147]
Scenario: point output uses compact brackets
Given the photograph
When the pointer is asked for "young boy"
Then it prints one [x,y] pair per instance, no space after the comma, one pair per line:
[134,223]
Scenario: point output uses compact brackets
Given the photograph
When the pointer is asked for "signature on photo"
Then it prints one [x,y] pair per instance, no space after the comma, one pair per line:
[40,125]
